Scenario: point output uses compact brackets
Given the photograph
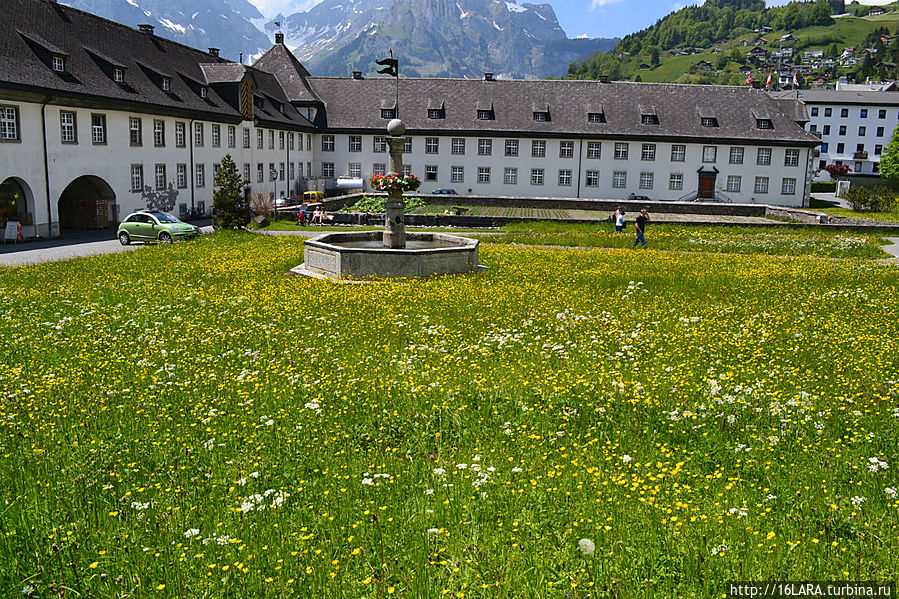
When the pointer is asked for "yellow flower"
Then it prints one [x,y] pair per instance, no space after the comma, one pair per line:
[94,565]
[770,535]
[160,587]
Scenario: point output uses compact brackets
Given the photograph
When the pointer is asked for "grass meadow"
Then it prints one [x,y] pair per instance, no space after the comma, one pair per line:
[187,421]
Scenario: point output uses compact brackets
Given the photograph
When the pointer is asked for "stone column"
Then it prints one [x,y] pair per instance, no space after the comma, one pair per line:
[394,222]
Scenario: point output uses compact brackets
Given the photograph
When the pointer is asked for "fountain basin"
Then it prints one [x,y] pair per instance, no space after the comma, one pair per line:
[361,255]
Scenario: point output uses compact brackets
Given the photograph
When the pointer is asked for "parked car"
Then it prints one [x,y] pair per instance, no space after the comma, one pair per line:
[636,198]
[282,202]
[445,192]
[154,226]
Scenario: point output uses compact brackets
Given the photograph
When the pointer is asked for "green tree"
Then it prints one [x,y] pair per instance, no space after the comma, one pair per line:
[889,161]
[654,57]
[228,198]
[833,52]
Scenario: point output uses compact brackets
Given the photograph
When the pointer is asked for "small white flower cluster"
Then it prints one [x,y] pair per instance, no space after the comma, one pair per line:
[586,546]
[876,465]
[857,500]
[259,502]
[891,492]
[516,469]
[218,540]
[369,479]
[719,549]
[740,512]
[209,444]
[314,406]
[191,532]
[440,471]
[136,505]
[626,459]
[742,448]
[433,531]
[770,497]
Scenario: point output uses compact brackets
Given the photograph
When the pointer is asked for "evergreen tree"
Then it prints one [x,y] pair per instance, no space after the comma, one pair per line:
[889,161]
[228,198]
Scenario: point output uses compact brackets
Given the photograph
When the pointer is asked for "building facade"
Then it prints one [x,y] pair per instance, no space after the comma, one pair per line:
[854,126]
[98,119]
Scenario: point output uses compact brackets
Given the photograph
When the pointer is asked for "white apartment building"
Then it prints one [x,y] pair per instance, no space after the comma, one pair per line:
[98,119]
[854,126]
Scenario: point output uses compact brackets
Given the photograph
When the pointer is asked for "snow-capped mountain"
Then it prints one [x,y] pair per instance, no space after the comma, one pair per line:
[447,38]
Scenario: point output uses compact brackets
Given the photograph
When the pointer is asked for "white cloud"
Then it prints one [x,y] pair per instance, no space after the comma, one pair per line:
[594,4]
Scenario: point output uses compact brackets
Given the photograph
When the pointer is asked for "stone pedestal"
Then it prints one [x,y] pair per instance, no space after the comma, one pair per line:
[394,221]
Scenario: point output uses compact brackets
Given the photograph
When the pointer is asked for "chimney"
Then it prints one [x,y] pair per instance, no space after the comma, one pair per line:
[214,52]
[488,76]
[241,58]
[279,38]
[357,74]
[145,28]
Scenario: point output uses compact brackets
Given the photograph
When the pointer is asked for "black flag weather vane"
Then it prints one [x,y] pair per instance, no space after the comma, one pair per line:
[392,68]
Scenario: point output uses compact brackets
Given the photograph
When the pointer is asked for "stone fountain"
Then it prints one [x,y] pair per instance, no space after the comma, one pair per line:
[391,253]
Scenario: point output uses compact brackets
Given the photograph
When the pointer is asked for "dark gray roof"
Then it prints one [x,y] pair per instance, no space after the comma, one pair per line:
[31,31]
[355,104]
[832,96]
[292,75]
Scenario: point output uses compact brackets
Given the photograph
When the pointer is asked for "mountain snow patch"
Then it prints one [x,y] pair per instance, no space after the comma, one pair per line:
[515,8]
[133,3]
[173,26]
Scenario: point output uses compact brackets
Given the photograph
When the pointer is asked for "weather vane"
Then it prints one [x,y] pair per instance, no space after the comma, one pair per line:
[392,68]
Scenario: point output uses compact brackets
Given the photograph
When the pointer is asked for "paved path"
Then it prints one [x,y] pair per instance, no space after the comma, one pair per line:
[893,249]
[73,244]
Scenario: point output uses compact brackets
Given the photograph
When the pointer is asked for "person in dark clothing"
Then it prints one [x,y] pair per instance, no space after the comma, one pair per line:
[641,228]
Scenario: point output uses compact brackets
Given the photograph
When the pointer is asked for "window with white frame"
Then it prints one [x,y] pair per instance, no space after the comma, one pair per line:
[407,170]
[328,170]
[648,153]
[388,113]
[59,64]
[592,179]
[764,124]
[763,157]
[646,180]
[538,148]
[458,146]
[649,119]
[379,144]
[282,172]
[118,75]
[271,139]
[200,175]
[510,176]
[619,179]
[678,153]
[260,139]
[594,149]
[621,151]
[216,136]
[134,131]
[246,171]
[291,141]
[485,147]
[137,177]
[736,156]
[308,142]
[407,145]
[791,158]
[457,174]
[68,129]
[541,116]
[232,136]
[709,122]
[260,172]
[566,149]
[436,113]
[158,133]
[198,134]
[733,183]
[676,181]
[485,115]
[280,140]
[761,185]
[432,145]
[181,174]
[564,177]
[9,123]
[483,174]
[511,147]
[788,187]
[596,117]
[378,168]
[536,176]
[166,84]
[98,128]
[709,153]
[355,170]
[355,143]
[204,92]
[179,134]
[160,176]
[272,173]
[327,143]
[300,167]
[430,172]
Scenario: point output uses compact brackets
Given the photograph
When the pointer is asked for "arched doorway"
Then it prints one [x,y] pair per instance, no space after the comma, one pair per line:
[16,201]
[87,203]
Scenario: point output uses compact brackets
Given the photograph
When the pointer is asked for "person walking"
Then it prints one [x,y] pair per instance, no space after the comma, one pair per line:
[619,220]
[640,226]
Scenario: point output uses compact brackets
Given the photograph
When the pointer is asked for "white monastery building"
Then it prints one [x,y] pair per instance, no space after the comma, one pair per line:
[98,119]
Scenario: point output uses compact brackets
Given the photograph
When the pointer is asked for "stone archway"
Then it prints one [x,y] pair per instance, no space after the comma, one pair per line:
[16,201]
[88,202]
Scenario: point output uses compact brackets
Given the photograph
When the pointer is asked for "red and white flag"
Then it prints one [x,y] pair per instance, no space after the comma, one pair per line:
[795,80]
[749,79]
[768,83]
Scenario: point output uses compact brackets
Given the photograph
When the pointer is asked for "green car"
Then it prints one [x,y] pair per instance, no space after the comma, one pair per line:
[154,226]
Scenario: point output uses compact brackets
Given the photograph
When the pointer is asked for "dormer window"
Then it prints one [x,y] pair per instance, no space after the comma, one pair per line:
[281,108]
[485,115]
[764,124]
[260,104]
[436,113]
[388,113]
[118,75]
[166,84]
[59,64]
[596,117]
[709,122]
[649,119]
[541,116]
[204,92]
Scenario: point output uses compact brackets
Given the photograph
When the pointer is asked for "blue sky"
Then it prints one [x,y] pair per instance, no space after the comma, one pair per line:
[593,18]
